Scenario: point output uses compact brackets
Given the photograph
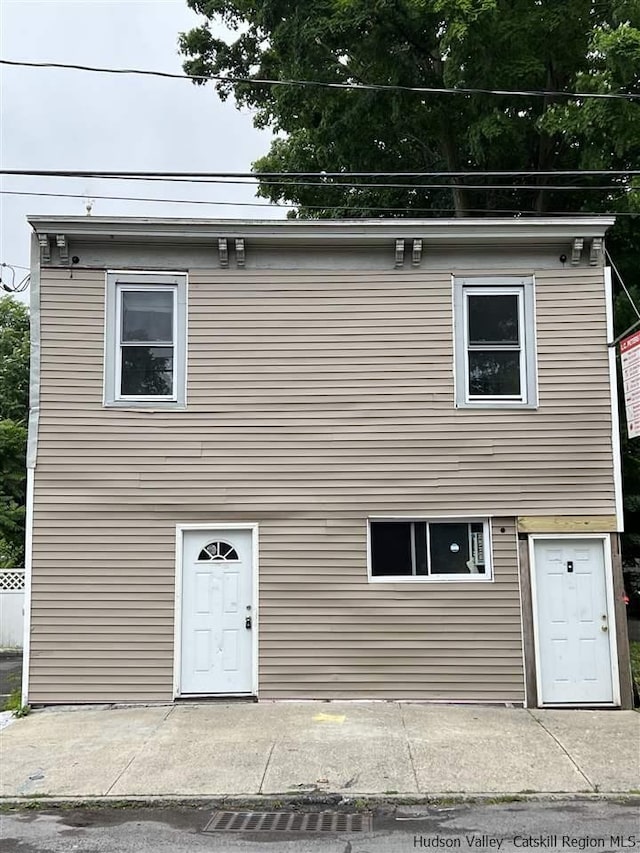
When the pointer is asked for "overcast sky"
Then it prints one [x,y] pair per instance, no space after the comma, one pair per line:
[56,119]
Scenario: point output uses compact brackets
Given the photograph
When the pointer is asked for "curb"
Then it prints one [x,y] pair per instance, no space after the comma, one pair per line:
[274,802]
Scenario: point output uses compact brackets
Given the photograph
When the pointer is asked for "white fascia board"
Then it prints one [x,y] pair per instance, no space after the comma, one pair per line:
[464,230]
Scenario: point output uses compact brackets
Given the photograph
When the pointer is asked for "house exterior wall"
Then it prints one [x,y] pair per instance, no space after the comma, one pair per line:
[316,399]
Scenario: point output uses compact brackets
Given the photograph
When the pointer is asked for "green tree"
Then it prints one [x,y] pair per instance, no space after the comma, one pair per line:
[14,411]
[484,44]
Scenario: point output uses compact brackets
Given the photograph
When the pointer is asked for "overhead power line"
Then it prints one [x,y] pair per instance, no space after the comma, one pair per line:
[430,187]
[483,210]
[367,87]
[12,287]
[14,266]
[325,181]
[259,176]
[87,196]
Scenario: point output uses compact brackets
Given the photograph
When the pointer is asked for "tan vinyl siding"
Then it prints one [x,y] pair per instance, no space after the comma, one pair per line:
[315,400]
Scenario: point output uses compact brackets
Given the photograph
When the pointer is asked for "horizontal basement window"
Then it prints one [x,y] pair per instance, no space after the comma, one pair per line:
[430,550]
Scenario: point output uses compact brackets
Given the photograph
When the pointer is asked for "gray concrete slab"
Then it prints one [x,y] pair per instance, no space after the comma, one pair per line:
[604,744]
[342,748]
[485,749]
[204,749]
[79,752]
[217,749]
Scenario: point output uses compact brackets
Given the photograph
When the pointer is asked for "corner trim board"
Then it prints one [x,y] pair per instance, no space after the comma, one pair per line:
[32,454]
[28,563]
[615,410]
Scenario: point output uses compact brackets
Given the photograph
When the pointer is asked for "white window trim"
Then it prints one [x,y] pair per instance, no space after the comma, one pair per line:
[149,288]
[520,347]
[524,288]
[435,578]
[116,283]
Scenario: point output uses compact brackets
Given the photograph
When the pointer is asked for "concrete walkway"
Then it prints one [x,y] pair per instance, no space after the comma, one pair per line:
[295,748]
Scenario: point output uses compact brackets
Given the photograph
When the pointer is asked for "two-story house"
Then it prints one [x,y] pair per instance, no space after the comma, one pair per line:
[324,460]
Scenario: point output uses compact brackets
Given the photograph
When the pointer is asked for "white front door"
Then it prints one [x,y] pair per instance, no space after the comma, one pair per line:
[572,622]
[217,612]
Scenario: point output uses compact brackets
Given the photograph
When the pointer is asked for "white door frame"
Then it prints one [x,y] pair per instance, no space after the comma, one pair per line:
[177,618]
[605,538]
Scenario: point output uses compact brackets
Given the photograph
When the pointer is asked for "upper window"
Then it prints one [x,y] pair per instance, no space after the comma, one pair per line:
[495,342]
[423,550]
[145,349]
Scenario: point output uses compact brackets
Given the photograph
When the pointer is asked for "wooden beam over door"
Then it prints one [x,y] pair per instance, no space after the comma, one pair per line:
[567,524]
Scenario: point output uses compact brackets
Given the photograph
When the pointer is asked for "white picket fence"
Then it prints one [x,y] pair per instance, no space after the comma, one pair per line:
[11,608]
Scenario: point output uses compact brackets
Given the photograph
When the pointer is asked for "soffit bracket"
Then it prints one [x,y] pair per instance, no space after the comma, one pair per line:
[223,252]
[240,259]
[399,258]
[45,248]
[596,251]
[63,248]
[576,250]
[416,254]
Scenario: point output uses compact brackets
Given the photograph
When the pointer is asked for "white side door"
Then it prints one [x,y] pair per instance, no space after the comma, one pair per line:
[572,622]
[217,612]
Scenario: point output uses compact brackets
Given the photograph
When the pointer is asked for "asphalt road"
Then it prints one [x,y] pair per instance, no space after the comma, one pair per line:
[10,673]
[562,825]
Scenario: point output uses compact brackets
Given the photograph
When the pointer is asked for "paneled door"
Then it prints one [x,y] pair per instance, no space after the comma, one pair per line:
[572,622]
[217,612]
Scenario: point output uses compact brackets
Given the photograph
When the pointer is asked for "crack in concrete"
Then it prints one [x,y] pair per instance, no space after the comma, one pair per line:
[266,767]
[406,734]
[138,751]
[565,750]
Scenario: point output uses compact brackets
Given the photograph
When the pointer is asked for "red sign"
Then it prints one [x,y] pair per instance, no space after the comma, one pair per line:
[630,357]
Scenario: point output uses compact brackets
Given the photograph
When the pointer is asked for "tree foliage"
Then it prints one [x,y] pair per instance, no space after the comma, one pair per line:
[573,45]
[14,411]
[14,360]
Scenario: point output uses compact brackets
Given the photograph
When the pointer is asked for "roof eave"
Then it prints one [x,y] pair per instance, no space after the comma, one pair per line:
[359,231]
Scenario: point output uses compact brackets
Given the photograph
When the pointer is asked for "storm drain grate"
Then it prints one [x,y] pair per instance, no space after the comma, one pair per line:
[288,822]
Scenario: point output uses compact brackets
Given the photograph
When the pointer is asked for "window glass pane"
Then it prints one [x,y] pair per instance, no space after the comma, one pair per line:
[390,548]
[478,560]
[147,315]
[147,371]
[494,373]
[449,549]
[420,538]
[493,319]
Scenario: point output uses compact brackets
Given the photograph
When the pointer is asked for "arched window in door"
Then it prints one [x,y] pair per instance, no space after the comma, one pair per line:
[219,550]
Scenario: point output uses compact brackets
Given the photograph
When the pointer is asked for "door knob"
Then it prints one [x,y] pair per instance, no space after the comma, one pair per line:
[247,623]
[603,628]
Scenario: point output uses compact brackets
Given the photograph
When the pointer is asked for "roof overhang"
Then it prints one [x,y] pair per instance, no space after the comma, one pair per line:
[496,231]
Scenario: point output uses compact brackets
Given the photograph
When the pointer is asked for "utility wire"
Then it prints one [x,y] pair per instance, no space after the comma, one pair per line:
[272,205]
[14,266]
[367,87]
[86,196]
[259,176]
[14,288]
[354,185]
[624,287]
[416,187]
